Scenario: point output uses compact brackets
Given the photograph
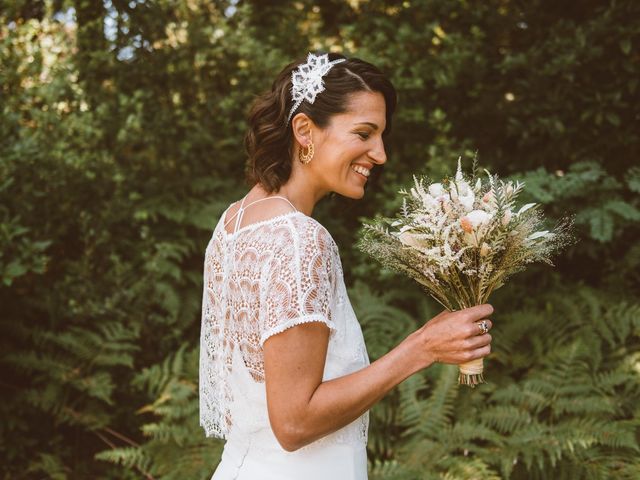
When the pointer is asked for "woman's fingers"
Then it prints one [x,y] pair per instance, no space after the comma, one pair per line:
[474,314]
[479,341]
[481,352]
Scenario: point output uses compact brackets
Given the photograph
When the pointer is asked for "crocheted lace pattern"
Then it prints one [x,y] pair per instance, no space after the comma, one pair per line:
[260,280]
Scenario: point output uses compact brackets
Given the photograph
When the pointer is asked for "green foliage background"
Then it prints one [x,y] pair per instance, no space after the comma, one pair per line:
[121,146]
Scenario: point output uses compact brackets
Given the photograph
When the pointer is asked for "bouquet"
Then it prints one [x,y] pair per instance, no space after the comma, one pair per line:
[461,239]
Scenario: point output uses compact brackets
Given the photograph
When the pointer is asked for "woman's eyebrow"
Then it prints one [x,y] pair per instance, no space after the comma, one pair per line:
[375,127]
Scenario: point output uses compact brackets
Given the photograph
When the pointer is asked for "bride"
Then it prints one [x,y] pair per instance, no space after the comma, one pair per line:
[284,373]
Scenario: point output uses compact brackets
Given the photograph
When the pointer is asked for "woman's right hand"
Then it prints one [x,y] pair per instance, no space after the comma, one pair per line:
[454,337]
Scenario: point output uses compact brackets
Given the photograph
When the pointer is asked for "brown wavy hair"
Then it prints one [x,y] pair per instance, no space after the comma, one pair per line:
[269,142]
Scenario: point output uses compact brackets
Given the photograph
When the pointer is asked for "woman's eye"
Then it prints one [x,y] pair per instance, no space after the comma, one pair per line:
[364,135]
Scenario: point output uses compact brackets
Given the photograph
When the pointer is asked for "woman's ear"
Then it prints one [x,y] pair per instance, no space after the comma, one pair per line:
[302,126]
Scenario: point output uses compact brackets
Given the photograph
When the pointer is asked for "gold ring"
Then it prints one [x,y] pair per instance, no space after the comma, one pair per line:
[483,326]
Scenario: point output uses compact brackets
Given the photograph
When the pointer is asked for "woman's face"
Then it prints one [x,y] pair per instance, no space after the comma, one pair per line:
[350,146]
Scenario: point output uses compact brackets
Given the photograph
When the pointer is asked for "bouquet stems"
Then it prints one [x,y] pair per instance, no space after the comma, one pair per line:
[471,373]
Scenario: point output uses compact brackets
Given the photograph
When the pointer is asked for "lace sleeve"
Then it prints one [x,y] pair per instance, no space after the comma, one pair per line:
[301,283]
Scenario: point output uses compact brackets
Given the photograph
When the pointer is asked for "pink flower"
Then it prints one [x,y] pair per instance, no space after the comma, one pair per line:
[466,225]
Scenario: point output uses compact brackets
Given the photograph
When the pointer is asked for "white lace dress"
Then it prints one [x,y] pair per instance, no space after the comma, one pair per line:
[258,281]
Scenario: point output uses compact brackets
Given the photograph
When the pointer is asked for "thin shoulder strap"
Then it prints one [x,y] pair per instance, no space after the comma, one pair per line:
[274,196]
[240,212]
[239,216]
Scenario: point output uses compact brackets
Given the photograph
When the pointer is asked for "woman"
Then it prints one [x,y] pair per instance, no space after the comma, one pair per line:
[284,373]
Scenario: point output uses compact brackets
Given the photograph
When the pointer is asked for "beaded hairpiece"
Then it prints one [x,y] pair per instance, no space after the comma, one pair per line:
[306,80]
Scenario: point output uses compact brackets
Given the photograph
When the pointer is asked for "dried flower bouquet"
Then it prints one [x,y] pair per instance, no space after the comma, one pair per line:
[461,239]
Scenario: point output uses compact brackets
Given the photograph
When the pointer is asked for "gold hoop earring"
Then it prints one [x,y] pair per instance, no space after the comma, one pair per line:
[306,157]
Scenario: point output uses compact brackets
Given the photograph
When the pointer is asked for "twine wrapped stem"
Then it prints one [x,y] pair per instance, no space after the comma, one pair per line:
[471,373]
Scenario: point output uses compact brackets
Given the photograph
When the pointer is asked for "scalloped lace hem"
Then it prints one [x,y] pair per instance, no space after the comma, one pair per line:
[297,321]
[212,432]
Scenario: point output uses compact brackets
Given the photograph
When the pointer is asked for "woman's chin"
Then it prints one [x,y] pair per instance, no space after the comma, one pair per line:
[353,193]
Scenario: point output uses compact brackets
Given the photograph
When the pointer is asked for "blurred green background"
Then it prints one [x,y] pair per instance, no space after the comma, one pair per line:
[121,143]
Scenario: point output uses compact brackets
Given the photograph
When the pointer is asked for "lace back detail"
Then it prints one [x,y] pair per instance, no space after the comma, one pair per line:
[279,273]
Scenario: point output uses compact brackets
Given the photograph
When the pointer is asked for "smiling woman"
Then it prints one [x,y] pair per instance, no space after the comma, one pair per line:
[346,150]
[350,86]
[285,376]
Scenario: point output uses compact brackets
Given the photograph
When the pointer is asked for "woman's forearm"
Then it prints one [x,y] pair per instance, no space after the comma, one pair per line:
[338,402]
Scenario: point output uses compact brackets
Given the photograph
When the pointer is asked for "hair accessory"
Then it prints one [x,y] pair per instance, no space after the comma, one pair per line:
[306,80]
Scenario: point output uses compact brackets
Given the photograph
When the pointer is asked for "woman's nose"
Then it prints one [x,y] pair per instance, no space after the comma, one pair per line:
[378,154]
